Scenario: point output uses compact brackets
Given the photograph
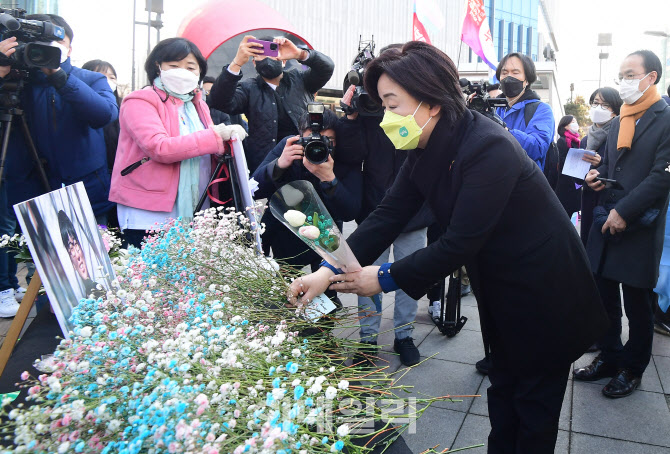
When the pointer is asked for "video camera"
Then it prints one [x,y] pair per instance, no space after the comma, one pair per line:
[482,102]
[316,147]
[34,39]
[361,102]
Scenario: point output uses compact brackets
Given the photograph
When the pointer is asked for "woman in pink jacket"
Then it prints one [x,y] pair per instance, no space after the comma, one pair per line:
[164,157]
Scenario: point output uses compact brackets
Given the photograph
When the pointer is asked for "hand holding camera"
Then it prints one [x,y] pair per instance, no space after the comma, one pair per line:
[7,47]
[292,152]
[324,171]
[288,50]
[245,50]
[346,101]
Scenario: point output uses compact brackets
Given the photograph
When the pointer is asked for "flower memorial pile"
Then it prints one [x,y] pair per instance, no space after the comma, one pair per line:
[194,351]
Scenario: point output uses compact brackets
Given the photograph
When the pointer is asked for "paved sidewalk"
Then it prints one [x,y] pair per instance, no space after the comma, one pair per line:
[590,423]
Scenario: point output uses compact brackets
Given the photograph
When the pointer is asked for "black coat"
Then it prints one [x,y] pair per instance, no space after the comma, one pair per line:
[343,202]
[255,99]
[367,144]
[568,194]
[641,171]
[538,301]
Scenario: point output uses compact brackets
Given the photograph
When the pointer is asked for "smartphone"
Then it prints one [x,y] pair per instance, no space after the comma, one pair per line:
[610,184]
[270,49]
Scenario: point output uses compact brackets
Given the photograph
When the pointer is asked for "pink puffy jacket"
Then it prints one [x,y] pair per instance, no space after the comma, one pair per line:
[150,128]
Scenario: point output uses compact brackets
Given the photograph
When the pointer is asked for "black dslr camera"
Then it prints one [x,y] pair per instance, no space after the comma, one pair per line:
[361,102]
[481,101]
[316,147]
[34,37]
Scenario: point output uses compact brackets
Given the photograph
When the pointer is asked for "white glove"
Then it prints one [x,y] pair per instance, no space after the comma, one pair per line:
[225,131]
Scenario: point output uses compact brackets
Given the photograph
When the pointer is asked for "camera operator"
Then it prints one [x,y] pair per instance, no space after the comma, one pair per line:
[528,119]
[338,185]
[66,109]
[274,101]
[494,91]
[381,164]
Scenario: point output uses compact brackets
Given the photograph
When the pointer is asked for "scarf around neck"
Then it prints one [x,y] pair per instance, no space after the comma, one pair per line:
[630,113]
[570,138]
[597,136]
[188,192]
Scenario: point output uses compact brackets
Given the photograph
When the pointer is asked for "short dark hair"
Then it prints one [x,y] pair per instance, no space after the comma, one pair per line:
[99,66]
[565,121]
[528,66]
[650,62]
[66,229]
[610,96]
[329,121]
[54,19]
[172,49]
[425,72]
[390,46]
[208,80]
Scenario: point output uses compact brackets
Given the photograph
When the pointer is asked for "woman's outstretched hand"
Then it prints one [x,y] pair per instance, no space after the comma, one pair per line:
[363,283]
[306,288]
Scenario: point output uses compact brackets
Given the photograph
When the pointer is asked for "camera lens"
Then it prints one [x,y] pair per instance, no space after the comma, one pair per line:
[273,46]
[316,152]
[367,104]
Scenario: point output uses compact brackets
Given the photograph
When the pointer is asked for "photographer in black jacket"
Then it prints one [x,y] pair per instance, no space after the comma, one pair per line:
[274,101]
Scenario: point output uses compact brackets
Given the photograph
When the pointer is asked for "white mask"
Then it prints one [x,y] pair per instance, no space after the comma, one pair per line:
[630,91]
[112,84]
[63,50]
[179,80]
[600,115]
[574,128]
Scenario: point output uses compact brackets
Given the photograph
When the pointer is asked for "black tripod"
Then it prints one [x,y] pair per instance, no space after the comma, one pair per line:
[9,110]
[225,159]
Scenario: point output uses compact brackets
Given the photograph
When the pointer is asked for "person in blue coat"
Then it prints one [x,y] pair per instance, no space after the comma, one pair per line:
[516,73]
[66,109]
[338,184]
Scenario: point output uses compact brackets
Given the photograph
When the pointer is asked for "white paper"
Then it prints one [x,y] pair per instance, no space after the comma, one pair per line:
[318,307]
[246,188]
[574,165]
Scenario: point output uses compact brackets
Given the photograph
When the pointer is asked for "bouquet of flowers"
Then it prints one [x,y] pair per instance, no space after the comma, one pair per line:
[193,351]
[299,207]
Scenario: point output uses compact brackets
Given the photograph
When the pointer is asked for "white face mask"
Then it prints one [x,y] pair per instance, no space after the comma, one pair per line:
[574,128]
[112,84]
[179,80]
[63,50]
[629,90]
[600,115]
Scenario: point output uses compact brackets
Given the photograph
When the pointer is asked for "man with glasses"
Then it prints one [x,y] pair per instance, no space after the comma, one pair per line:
[626,238]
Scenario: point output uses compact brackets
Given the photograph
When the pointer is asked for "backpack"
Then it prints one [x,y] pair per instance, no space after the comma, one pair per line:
[551,161]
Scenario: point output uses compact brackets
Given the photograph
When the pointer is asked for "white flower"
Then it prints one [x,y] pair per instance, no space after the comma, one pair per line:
[295,382]
[331,393]
[225,289]
[86,331]
[310,232]
[343,384]
[64,447]
[295,218]
[296,353]
[343,430]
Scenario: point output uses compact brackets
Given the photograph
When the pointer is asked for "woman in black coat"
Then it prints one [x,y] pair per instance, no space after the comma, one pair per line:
[538,302]
[569,189]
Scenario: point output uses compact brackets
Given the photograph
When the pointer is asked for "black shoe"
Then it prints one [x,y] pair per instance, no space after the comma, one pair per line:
[483,366]
[465,289]
[661,327]
[622,385]
[595,371]
[409,354]
[364,356]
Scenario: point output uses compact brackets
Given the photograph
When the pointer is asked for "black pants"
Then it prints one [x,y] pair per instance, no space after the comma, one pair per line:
[638,302]
[524,410]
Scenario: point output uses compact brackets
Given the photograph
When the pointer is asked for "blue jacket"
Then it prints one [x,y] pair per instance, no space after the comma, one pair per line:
[66,126]
[536,137]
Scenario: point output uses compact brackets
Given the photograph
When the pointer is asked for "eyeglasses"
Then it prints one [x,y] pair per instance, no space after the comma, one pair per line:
[601,105]
[629,77]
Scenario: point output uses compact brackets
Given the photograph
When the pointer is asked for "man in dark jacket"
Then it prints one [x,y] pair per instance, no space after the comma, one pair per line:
[338,184]
[625,246]
[274,101]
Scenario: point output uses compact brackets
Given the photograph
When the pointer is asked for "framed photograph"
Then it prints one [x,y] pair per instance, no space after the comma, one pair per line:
[67,249]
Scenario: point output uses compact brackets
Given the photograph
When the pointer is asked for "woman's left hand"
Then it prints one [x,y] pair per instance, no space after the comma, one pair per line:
[594,160]
[363,283]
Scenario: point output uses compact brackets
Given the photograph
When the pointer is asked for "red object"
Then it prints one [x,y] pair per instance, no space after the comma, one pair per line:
[214,23]
[419,31]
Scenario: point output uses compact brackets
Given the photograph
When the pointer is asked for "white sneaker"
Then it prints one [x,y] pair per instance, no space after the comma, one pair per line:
[435,309]
[8,304]
[19,293]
